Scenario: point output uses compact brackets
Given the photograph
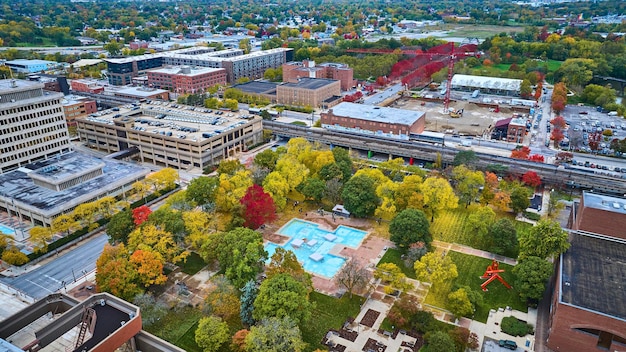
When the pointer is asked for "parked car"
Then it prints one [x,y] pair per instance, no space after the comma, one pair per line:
[508,344]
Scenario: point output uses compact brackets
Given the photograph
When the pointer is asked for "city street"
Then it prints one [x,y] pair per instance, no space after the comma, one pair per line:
[67,268]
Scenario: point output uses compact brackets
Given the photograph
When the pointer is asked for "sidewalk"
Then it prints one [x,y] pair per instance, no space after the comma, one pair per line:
[473,251]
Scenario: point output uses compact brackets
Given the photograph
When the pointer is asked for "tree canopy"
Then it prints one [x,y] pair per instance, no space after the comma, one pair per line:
[410,226]
[282,296]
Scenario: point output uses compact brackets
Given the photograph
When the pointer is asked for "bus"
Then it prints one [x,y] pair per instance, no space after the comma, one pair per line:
[428,137]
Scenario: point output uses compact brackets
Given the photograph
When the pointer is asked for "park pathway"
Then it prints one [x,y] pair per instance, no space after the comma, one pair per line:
[473,251]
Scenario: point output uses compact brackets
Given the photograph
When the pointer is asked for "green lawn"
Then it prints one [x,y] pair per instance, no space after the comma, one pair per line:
[329,313]
[193,264]
[554,65]
[470,269]
[179,327]
[502,67]
[394,256]
[449,226]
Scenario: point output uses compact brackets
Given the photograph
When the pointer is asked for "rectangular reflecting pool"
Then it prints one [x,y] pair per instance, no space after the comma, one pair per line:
[312,245]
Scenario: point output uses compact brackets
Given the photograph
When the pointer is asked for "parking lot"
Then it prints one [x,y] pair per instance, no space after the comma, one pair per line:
[585,120]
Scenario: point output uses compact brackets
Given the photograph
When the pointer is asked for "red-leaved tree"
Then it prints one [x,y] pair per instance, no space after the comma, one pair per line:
[557,136]
[558,122]
[531,178]
[140,214]
[594,141]
[536,158]
[258,207]
[520,153]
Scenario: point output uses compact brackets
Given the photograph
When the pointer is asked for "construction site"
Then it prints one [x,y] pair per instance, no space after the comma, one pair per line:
[461,104]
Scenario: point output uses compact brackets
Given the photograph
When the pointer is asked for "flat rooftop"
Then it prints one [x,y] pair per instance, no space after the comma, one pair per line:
[180,70]
[18,184]
[6,85]
[173,121]
[377,113]
[604,202]
[310,83]
[257,87]
[29,62]
[136,91]
[593,274]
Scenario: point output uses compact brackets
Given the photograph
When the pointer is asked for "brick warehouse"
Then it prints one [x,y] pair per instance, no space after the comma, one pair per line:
[588,308]
[374,120]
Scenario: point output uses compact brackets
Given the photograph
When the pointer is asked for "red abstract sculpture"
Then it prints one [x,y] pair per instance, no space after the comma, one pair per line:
[492,273]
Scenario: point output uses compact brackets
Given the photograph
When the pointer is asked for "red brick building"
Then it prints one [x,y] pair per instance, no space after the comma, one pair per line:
[588,310]
[374,120]
[186,79]
[81,85]
[292,71]
[308,92]
[75,107]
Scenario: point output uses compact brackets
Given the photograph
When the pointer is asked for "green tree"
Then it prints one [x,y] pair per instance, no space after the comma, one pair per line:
[120,226]
[438,196]
[520,198]
[245,45]
[459,303]
[275,335]
[465,157]
[248,295]
[545,239]
[312,188]
[282,296]
[359,196]
[211,334]
[240,253]
[439,341]
[502,238]
[267,159]
[525,88]
[113,47]
[393,278]
[479,221]
[408,227]
[532,274]
[436,268]
[201,190]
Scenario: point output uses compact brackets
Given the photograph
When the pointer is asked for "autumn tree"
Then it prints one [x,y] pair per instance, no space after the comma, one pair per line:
[544,240]
[140,214]
[558,122]
[115,274]
[468,183]
[85,213]
[154,238]
[438,196]
[403,310]
[359,196]
[149,267]
[520,152]
[530,178]
[557,136]
[436,268]
[211,333]
[162,179]
[410,226]
[238,342]
[393,278]
[353,276]
[278,188]
[39,237]
[258,207]
[275,335]
[285,262]
[463,339]
[408,193]
[282,296]
[12,255]
[222,299]
[231,189]
[64,223]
